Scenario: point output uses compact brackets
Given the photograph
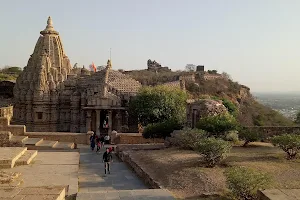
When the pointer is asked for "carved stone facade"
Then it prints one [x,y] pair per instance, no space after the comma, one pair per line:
[50,95]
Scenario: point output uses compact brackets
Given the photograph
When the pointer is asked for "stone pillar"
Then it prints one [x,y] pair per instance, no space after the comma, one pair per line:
[109,121]
[88,120]
[119,121]
[98,122]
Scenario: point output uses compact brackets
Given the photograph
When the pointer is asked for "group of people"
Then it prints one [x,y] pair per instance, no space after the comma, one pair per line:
[99,141]
[107,156]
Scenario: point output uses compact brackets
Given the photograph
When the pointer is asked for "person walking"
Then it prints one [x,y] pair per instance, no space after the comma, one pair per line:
[107,159]
[107,138]
[92,140]
[102,141]
[98,144]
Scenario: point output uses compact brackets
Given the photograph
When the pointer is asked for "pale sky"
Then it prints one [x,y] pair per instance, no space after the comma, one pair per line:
[256,41]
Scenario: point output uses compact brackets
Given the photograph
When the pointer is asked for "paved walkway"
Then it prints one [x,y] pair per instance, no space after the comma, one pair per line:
[122,183]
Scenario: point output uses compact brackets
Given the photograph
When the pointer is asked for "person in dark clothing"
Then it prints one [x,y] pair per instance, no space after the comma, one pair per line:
[92,140]
[98,144]
[102,141]
[107,158]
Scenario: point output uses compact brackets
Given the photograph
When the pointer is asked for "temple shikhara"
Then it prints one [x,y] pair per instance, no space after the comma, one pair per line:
[50,95]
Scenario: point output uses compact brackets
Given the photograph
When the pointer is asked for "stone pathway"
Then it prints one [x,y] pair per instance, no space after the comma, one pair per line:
[122,183]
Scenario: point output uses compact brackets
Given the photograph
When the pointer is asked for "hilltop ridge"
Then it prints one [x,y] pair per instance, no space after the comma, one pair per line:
[210,84]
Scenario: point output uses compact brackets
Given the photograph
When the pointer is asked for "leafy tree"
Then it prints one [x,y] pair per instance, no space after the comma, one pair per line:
[244,182]
[213,150]
[212,71]
[218,125]
[289,143]
[249,136]
[159,104]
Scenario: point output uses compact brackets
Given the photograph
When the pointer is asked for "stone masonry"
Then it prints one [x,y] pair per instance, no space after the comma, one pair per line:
[50,95]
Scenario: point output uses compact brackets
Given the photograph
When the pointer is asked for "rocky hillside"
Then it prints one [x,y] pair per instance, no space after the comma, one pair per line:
[251,113]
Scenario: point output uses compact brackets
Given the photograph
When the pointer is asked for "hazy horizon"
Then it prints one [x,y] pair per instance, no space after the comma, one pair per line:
[256,42]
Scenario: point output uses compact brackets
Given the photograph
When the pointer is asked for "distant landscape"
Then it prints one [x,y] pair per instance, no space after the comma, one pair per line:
[286,103]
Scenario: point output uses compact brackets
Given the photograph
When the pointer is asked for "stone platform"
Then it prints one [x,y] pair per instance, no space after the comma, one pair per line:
[50,169]
[33,193]
[279,194]
[9,156]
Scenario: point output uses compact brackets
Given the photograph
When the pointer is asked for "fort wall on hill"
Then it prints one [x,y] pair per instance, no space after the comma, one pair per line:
[270,131]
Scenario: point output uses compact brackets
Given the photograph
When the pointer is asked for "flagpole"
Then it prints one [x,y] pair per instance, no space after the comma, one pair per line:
[110,54]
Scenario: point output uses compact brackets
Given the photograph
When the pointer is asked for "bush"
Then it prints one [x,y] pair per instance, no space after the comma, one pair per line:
[231,107]
[244,182]
[218,125]
[232,136]
[213,150]
[289,143]
[187,138]
[249,136]
[161,130]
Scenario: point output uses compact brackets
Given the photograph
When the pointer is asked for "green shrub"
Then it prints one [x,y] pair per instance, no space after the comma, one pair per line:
[218,125]
[244,182]
[289,143]
[213,150]
[249,136]
[162,129]
[187,138]
[232,136]
[231,107]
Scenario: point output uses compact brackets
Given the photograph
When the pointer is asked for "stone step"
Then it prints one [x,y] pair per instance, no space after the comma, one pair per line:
[152,194]
[43,145]
[32,193]
[19,138]
[26,158]
[32,141]
[9,155]
[64,145]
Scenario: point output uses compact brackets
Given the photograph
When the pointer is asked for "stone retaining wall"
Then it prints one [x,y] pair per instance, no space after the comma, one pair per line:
[135,138]
[269,131]
[5,140]
[14,129]
[125,157]
[132,147]
[79,138]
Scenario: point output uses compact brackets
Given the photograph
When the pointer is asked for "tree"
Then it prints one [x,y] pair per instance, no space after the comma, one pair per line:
[218,125]
[158,104]
[297,120]
[249,135]
[213,150]
[190,67]
[289,143]
[226,75]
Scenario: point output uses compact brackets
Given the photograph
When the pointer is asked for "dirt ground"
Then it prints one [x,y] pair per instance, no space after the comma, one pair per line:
[183,173]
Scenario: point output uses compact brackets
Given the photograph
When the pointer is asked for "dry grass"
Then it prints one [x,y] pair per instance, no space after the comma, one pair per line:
[184,174]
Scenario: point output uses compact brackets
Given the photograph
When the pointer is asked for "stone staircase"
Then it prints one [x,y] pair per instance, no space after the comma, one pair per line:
[32,193]
[15,156]
[41,144]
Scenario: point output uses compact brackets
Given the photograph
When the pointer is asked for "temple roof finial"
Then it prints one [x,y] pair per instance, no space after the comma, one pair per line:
[49,28]
[109,65]
[49,21]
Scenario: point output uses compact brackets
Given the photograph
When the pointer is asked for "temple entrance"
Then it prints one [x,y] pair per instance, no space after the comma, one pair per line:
[104,122]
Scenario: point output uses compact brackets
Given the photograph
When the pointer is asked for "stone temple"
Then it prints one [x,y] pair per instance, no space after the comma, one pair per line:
[50,95]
